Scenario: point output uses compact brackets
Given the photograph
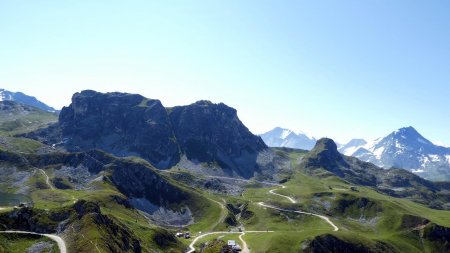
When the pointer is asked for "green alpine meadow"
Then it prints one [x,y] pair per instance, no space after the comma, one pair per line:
[231,126]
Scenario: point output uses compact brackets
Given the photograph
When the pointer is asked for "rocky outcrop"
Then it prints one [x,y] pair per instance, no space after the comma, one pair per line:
[138,181]
[131,125]
[329,243]
[121,124]
[208,132]
[34,220]
[439,236]
[325,155]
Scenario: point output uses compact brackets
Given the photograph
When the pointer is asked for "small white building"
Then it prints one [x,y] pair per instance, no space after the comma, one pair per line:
[233,245]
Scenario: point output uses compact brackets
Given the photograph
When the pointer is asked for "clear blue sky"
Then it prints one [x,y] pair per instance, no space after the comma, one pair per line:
[340,69]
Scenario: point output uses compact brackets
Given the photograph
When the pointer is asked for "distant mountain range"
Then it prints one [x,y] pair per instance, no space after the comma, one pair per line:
[404,148]
[281,137]
[22,98]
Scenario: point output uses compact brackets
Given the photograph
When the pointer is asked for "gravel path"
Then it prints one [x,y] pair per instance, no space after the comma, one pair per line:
[61,243]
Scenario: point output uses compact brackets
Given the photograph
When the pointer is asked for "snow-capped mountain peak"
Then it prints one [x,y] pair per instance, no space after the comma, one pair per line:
[352,146]
[5,95]
[282,137]
[285,133]
[404,148]
[22,98]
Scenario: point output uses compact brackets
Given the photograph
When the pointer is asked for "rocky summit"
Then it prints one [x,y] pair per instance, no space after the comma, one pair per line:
[131,125]
[208,132]
[404,148]
[121,124]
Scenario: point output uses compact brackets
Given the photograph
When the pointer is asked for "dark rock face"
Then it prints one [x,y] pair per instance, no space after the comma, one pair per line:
[164,238]
[29,219]
[119,123]
[330,243]
[439,236]
[132,125]
[208,132]
[325,155]
[137,181]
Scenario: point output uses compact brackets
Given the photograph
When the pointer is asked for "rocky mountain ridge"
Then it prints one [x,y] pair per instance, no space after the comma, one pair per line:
[395,182]
[405,148]
[281,137]
[22,98]
[131,125]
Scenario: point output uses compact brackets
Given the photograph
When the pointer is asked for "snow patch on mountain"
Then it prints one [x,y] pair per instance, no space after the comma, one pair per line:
[404,148]
[22,98]
[447,157]
[282,137]
[434,158]
[378,152]
[285,133]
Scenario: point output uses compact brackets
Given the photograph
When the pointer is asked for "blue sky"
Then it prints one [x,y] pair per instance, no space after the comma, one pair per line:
[340,69]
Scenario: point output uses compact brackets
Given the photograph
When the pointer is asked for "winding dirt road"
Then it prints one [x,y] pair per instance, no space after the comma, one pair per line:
[223,211]
[192,249]
[301,212]
[47,179]
[59,241]
[244,248]
[281,195]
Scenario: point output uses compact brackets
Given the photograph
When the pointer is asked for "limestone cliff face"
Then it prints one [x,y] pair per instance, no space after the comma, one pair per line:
[208,132]
[132,125]
[121,124]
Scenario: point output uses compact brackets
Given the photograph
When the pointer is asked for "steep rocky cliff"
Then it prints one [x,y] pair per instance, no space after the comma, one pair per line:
[121,124]
[131,125]
[208,132]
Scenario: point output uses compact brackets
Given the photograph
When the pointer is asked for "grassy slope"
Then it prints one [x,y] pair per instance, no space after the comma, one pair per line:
[308,190]
[19,124]
[290,229]
[206,212]
[13,243]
